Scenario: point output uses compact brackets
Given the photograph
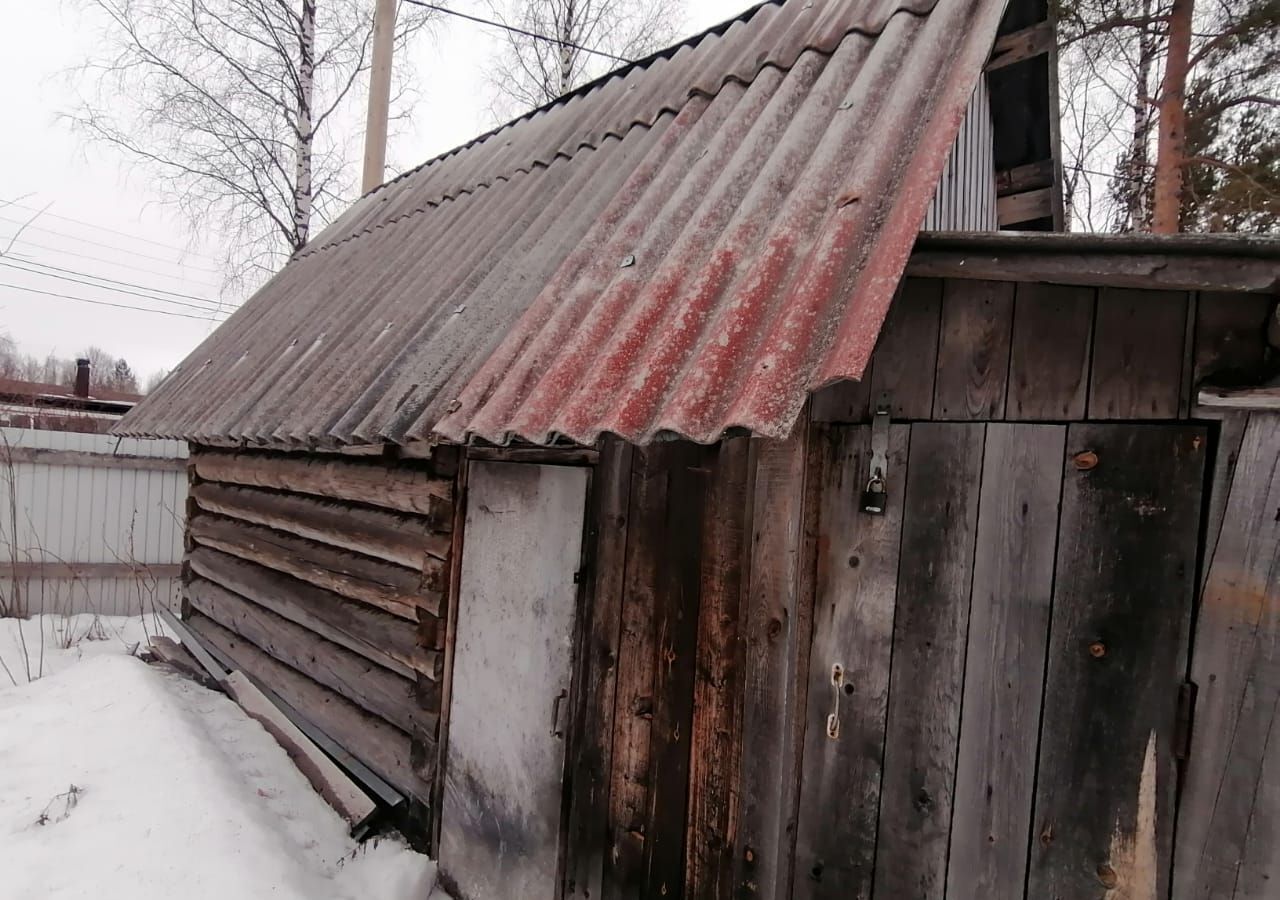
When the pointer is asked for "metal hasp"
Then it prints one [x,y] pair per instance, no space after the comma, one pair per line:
[875,497]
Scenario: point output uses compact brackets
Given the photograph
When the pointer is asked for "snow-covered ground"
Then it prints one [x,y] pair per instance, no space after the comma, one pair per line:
[119,780]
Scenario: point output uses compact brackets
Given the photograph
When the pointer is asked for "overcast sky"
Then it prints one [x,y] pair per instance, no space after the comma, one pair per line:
[102,220]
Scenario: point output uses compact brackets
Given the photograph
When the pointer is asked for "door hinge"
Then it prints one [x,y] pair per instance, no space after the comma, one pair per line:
[1186,715]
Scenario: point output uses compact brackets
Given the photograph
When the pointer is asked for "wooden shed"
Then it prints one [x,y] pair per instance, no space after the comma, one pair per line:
[645,500]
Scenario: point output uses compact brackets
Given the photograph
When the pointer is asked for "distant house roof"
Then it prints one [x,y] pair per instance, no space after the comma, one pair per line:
[686,247]
[55,407]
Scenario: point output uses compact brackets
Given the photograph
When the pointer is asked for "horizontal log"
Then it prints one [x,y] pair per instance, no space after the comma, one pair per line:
[86,459]
[393,536]
[369,686]
[394,486]
[1025,207]
[86,571]
[1013,48]
[382,747]
[389,641]
[397,590]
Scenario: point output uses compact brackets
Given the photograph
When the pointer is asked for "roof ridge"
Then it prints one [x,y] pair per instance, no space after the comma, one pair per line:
[618,129]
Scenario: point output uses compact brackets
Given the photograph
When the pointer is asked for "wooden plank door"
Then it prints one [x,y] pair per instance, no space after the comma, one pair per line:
[1128,536]
[504,766]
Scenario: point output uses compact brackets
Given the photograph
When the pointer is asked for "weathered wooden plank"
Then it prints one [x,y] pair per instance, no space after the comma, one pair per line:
[390,536]
[1049,362]
[845,402]
[716,736]
[776,631]
[1035,40]
[397,590]
[1229,819]
[1004,667]
[1226,452]
[1137,354]
[857,572]
[403,486]
[973,351]
[41,456]
[1024,178]
[85,571]
[1262,399]
[330,782]
[929,637]
[588,817]
[677,592]
[637,663]
[903,365]
[379,745]
[388,640]
[1092,260]
[1124,580]
[501,814]
[371,687]
[1230,338]
[1028,206]
[550,456]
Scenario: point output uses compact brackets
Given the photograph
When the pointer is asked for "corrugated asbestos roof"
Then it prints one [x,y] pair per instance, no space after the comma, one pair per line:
[688,246]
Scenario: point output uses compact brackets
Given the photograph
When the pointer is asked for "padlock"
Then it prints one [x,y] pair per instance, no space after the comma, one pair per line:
[874,498]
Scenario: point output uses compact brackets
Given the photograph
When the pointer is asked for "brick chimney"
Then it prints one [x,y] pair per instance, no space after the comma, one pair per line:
[82,377]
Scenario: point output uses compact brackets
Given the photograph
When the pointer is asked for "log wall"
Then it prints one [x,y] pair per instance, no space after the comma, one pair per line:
[324,578]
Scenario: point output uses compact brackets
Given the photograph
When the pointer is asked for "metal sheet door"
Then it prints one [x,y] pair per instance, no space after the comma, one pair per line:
[500,817]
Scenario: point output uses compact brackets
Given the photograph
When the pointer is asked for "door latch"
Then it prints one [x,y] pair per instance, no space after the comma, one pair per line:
[556,730]
[875,497]
[837,685]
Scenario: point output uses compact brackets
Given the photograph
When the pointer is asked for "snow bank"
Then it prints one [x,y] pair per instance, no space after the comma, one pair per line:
[176,792]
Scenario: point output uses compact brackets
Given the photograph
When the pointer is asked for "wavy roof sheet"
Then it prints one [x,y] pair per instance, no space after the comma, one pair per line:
[686,247]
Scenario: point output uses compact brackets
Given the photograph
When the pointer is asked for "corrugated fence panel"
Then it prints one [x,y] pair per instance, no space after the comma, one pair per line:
[966,196]
[89,522]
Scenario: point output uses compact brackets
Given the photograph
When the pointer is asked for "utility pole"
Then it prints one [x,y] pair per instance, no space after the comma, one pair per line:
[375,131]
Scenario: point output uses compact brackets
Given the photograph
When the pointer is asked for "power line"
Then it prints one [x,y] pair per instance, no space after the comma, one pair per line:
[141,287]
[116,247]
[117,290]
[161,312]
[49,215]
[560,42]
[110,262]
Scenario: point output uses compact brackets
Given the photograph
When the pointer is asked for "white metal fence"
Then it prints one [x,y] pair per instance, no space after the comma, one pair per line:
[89,522]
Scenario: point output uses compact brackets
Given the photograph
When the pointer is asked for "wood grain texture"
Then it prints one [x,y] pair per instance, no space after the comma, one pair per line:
[717,736]
[1049,362]
[677,581]
[408,487]
[391,536]
[588,817]
[857,571]
[1230,338]
[905,359]
[777,631]
[1124,580]
[845,402]
[929,638]
[973,350]
[388,640]
[1004,666]
[637,664]
[395,589]
[379,745]
[1137,354]
[369,686]
[1229,819]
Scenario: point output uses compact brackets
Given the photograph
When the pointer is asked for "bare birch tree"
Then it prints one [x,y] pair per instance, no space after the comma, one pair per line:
[530,72]
[242,112]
